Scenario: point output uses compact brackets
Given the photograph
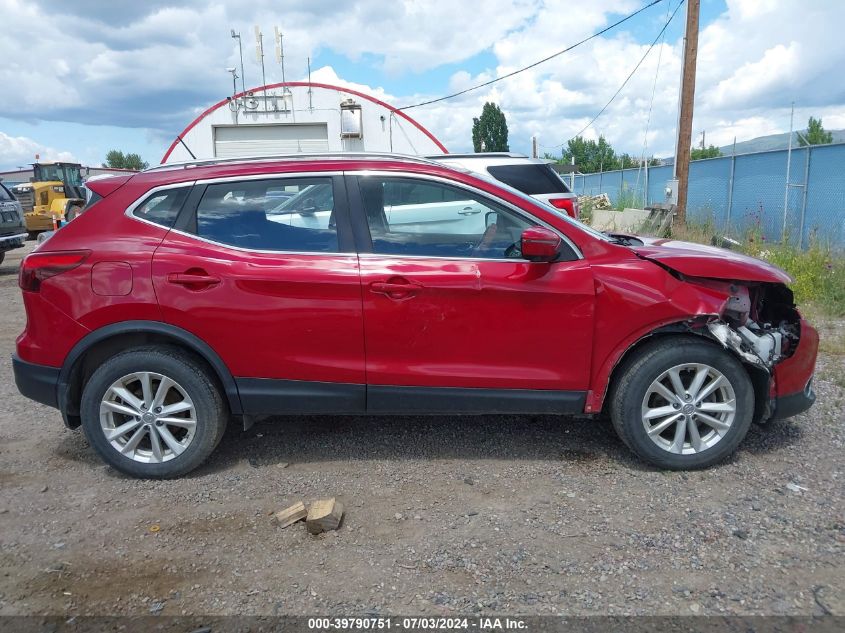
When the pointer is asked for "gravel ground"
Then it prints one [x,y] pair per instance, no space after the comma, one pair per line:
[528,515]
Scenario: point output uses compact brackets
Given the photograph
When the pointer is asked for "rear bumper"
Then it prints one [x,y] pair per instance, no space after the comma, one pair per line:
[8,242]
[37,382]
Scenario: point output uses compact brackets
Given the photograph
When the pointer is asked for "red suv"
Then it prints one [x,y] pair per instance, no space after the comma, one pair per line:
[190,294]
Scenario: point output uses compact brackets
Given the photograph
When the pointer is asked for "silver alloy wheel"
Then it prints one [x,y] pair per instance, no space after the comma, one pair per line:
[689,408]
[148,417]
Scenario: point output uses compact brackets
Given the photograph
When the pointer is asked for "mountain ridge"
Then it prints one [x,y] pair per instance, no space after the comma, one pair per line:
[773,142]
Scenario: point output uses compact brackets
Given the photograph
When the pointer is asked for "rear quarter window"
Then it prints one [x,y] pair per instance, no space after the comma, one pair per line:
[531,179]
[161,207]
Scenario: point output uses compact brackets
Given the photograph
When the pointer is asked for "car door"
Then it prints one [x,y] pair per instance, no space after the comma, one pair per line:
[310,208]
[424,207]
[280,304]
[459,321]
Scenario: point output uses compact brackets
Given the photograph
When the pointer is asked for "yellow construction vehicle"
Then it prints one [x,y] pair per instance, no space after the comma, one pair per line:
[55,194]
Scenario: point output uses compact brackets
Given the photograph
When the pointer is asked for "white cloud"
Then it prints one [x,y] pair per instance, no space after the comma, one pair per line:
[155,64]
[20,150]
[754,60]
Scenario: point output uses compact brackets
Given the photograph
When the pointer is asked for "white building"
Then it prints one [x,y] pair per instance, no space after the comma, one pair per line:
[300,117]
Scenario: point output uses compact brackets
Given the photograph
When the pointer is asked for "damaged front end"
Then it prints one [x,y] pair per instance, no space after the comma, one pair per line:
[760,324]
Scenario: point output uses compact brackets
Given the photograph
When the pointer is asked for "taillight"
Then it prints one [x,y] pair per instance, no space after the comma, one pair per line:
[36,267]
[570,205]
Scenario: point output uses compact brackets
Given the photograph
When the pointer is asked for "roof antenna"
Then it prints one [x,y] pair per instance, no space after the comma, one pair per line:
[287,96]
[280,51]
[186,147]
[259,53]
[237,36]
[310,104]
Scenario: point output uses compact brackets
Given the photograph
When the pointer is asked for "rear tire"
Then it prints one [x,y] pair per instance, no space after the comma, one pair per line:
[153,412]
[681,403]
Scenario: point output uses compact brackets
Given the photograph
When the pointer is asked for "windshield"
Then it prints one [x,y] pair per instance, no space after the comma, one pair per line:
[60,173]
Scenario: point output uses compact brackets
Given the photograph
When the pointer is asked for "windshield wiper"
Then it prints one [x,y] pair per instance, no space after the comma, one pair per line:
[616,238]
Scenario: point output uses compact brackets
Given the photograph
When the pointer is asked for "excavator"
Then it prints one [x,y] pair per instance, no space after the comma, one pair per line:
[54,195]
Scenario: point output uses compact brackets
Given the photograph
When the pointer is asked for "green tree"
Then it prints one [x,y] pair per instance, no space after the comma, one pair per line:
[594,156]
[118,160]
[590,156]
[815,134]
[490,130]
[698,153]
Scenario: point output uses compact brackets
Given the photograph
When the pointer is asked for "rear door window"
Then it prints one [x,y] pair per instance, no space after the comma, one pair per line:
[292,215]
[535,178]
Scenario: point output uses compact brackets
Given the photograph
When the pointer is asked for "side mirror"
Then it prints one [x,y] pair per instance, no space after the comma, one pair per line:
[540,244]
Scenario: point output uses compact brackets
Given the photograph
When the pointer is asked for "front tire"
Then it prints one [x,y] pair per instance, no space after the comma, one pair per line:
[681,403]
[153,412]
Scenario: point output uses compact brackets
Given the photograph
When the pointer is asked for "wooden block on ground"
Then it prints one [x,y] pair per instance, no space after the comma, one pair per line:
[324,515]
[291,515]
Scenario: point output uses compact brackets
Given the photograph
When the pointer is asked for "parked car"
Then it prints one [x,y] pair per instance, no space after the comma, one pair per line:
[12,230]
[176,302]
[533,176]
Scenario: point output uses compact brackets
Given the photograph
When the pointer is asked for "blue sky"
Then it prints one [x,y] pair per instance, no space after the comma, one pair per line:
[131,78]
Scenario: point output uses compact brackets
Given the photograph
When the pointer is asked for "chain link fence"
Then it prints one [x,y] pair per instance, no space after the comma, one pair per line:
[748,192]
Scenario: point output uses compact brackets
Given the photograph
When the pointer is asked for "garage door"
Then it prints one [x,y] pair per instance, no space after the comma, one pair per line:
[261,140]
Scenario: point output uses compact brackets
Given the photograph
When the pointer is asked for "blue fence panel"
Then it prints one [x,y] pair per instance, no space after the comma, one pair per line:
[657,179]
[747,192]
[824,215]
[758,193]
[707,196]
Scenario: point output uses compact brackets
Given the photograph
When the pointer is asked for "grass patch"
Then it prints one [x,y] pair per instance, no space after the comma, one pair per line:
[628,199]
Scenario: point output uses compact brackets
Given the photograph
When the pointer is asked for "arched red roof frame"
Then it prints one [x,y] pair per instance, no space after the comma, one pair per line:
[292,84]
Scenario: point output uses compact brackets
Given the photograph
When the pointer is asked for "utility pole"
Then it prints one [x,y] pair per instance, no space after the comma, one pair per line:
[682,151]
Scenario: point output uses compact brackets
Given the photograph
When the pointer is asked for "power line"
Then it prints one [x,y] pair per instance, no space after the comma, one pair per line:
[653,92]
[650,108]
[537,63]
[624,83]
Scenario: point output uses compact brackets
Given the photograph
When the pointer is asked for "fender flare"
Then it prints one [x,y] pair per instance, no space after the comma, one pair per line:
[600,382]
[191,341]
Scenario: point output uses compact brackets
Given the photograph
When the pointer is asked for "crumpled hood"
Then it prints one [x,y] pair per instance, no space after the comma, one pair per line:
[697,260]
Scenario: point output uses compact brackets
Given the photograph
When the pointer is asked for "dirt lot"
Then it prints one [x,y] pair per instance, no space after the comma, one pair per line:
[528,515]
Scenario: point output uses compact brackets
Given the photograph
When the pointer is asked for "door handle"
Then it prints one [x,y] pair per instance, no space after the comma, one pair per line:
[396,288]
[193,280]
[469,211]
